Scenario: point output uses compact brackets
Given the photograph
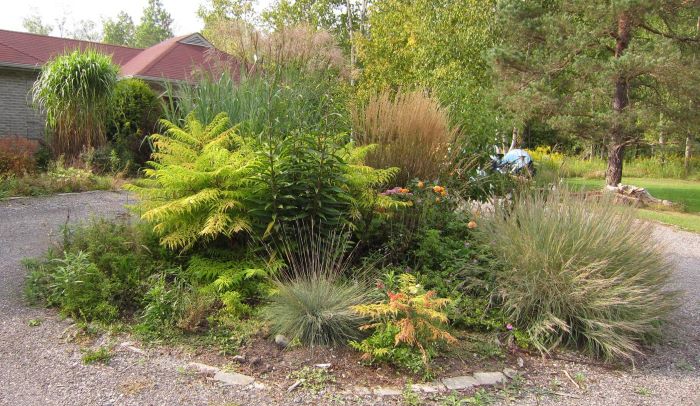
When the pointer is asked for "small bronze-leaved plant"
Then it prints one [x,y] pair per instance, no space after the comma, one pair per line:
[414,319]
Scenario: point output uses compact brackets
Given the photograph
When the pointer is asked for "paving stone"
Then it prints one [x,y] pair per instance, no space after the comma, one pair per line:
[460,382]
[361,390]
[387,391]
[509,372]
[434,387]
[233,378]
[202,368]
[489,378]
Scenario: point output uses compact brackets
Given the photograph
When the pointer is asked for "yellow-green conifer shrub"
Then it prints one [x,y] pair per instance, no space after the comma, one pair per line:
[197,182]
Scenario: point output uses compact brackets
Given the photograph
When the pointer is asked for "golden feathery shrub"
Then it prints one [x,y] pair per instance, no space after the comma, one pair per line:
[411,130]
[196,185]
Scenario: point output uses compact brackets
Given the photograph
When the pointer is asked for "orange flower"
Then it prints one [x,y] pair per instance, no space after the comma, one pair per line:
[438,189]
[404,190]
[421,185]
[471,225]
[443,193]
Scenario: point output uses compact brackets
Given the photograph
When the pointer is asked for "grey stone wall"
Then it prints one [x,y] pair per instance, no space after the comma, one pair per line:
[17,116]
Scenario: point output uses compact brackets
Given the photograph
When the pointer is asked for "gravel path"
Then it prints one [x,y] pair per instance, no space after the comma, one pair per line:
[39,366]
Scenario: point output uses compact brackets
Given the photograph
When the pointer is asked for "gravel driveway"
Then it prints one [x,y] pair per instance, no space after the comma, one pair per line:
[38,366]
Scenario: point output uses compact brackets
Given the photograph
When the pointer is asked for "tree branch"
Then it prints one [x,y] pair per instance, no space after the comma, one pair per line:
[669,35]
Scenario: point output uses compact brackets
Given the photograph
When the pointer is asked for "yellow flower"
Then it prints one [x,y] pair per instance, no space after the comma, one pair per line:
[471,225]
[437,200]
[438,189]
[443,193]
[421,185]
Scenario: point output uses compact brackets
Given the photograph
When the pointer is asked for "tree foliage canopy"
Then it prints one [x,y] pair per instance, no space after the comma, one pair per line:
[599,69]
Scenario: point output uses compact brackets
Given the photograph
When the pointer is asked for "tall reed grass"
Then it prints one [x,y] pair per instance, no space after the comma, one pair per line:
[73,90]
[412,132]
[578,273]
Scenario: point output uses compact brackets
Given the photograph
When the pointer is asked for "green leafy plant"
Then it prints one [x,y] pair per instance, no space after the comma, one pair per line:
[73,90]
[103,271]
[133,115]
[313,379]
[197,183]
[577,272]
[78,288]
[102,355]
[412,317]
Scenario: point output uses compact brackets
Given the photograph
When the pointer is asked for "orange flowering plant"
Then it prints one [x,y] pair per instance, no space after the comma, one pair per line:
[416,319]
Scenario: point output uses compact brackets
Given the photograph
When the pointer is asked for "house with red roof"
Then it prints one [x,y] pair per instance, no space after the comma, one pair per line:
[23,54]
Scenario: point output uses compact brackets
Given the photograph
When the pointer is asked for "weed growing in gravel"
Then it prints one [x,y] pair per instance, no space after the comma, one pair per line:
[409,397]
[102,355]
[35,322]
[313,379]
[642,391]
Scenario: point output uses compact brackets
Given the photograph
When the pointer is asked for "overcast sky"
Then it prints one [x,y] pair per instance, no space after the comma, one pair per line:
[184,12]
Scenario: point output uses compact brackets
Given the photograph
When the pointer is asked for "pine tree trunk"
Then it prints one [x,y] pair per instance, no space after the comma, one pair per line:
[613,176]
[616,149]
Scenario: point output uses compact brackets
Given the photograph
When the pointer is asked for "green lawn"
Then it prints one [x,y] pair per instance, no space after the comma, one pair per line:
[683,192]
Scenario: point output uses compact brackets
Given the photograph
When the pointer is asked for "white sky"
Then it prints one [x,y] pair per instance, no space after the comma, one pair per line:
[184,12]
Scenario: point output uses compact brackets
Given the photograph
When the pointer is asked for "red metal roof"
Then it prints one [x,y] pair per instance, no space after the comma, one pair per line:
[169,60]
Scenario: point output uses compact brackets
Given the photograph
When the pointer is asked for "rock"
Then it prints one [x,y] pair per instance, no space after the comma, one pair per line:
[362,390]
[281,340]
[521,363]
[489,378]
[202,368]
[130,346]
[295,385]
[434,387]
[460,382]
[233,378]
[509,372]
[238,358]
[323,366]
[387,391]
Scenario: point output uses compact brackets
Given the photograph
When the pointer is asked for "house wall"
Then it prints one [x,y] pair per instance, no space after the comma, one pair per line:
[17,116]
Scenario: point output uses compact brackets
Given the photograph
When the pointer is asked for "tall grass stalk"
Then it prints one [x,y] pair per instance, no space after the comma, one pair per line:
[580,273]
[73,90]
[412,131]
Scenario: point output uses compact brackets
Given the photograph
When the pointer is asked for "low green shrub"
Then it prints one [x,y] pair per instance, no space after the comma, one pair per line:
[102,273]
[577,273]
[133,115]
[75,285]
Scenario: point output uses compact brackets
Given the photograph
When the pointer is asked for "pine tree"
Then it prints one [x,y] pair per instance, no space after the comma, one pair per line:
[598,69]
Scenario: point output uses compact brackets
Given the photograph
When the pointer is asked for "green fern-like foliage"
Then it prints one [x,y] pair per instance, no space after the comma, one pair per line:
[364,181]
[197,182]
[235,282]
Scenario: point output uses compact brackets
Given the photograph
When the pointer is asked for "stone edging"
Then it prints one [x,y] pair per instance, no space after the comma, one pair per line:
[444,385]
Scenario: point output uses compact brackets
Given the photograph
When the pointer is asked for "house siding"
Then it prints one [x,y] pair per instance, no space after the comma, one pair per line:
[17,116]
